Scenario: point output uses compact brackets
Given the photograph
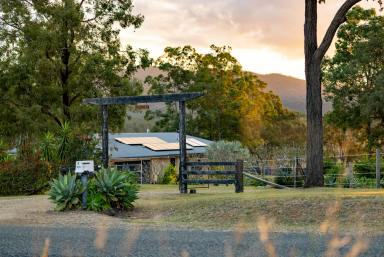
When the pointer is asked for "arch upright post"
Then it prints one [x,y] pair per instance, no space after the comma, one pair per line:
[104,135]
[183,150]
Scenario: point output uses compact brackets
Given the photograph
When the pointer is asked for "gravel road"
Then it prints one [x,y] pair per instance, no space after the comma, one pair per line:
[135,241]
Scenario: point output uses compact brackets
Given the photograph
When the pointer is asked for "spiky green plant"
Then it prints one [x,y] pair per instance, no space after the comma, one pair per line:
[65,136]
[48,147]
[66,192]
[118,189]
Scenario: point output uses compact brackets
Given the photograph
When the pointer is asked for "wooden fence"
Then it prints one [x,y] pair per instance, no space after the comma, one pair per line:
[203,168]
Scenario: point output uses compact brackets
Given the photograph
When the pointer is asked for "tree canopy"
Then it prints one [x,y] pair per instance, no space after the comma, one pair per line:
[235,105]
[353,77]
[55,53]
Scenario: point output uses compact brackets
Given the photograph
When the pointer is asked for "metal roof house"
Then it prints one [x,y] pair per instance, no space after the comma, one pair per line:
[150,153]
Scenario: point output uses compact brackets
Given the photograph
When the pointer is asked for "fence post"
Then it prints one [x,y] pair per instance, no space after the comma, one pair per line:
[239,185]
[350,174]
[295,171]
[84,182]
[378,167]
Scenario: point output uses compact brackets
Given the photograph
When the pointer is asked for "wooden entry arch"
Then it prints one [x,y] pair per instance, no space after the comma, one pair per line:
[181,98]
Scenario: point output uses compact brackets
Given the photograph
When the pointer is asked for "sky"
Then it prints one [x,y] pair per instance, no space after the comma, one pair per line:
[266,36]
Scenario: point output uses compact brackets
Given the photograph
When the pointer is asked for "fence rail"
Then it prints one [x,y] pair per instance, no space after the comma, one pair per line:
[236,174]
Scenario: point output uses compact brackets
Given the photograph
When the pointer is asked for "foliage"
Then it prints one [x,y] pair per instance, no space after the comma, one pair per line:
[169,175]
[332,173]
[353,76]
[66,192]
[285,177]
[365,168]
[332,168]
[25,176]
[118,190]
[95,200]
[65,146]
[53,54]
[364,182]
[108,189]
[227,151]
[235,105]
[4,156]
[269,152]
[253,182]
[340,143]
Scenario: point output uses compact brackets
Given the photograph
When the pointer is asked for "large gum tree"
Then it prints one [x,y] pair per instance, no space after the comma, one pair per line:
[314,54]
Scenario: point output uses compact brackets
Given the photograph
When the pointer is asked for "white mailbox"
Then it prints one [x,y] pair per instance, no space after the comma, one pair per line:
[82,166]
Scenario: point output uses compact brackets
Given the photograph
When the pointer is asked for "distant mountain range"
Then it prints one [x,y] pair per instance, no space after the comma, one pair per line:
[291,90]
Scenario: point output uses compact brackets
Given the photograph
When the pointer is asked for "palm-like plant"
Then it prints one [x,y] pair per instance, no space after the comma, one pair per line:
[66,192]
[64,141]
[48,147]
[118,189]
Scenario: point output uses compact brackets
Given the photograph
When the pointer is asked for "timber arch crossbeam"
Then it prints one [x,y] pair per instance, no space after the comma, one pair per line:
[142,99]
[181,98]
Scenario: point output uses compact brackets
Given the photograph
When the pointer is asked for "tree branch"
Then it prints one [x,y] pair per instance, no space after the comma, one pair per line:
[5,22]
[45,110]
[81,3]
[339,19]
[74,98]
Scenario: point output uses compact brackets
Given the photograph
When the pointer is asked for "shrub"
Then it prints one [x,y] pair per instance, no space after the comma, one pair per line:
[332,172]
[117,189]
[365,182]
[227,151]
[332,168]
[253,182]
[25,177]
[169,175]
[95,200]
[66,192]
[285,177]
[365,168]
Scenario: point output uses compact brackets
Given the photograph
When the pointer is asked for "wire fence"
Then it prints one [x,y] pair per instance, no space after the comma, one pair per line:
[357,170]
[354,171]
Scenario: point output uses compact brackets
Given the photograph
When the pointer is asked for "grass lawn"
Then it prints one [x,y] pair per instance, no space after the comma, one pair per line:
[348,210]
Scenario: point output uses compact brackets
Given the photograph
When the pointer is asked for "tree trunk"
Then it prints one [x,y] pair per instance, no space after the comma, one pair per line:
[314,128]
[314,103]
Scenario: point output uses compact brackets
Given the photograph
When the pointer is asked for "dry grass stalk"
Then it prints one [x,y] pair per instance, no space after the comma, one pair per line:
[335,244]
[101,235]
[264,226]
[239,231]
[359,247]
[46,248]
[131,238]
[184,253]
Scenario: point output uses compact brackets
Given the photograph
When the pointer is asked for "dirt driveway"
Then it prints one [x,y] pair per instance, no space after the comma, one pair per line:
[38,210]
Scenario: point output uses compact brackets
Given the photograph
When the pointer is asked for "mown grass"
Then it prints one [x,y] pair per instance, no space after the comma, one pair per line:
[358,210]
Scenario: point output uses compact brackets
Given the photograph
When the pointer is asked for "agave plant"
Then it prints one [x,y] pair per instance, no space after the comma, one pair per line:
[66,192]
[118,189]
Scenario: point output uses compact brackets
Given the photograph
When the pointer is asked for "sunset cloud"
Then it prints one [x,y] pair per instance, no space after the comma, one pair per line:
[253,28]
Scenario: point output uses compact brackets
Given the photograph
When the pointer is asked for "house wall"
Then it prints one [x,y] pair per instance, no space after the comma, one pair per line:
[157,168]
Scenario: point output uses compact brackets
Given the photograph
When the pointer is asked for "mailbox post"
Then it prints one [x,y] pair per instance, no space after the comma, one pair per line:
[84,168]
